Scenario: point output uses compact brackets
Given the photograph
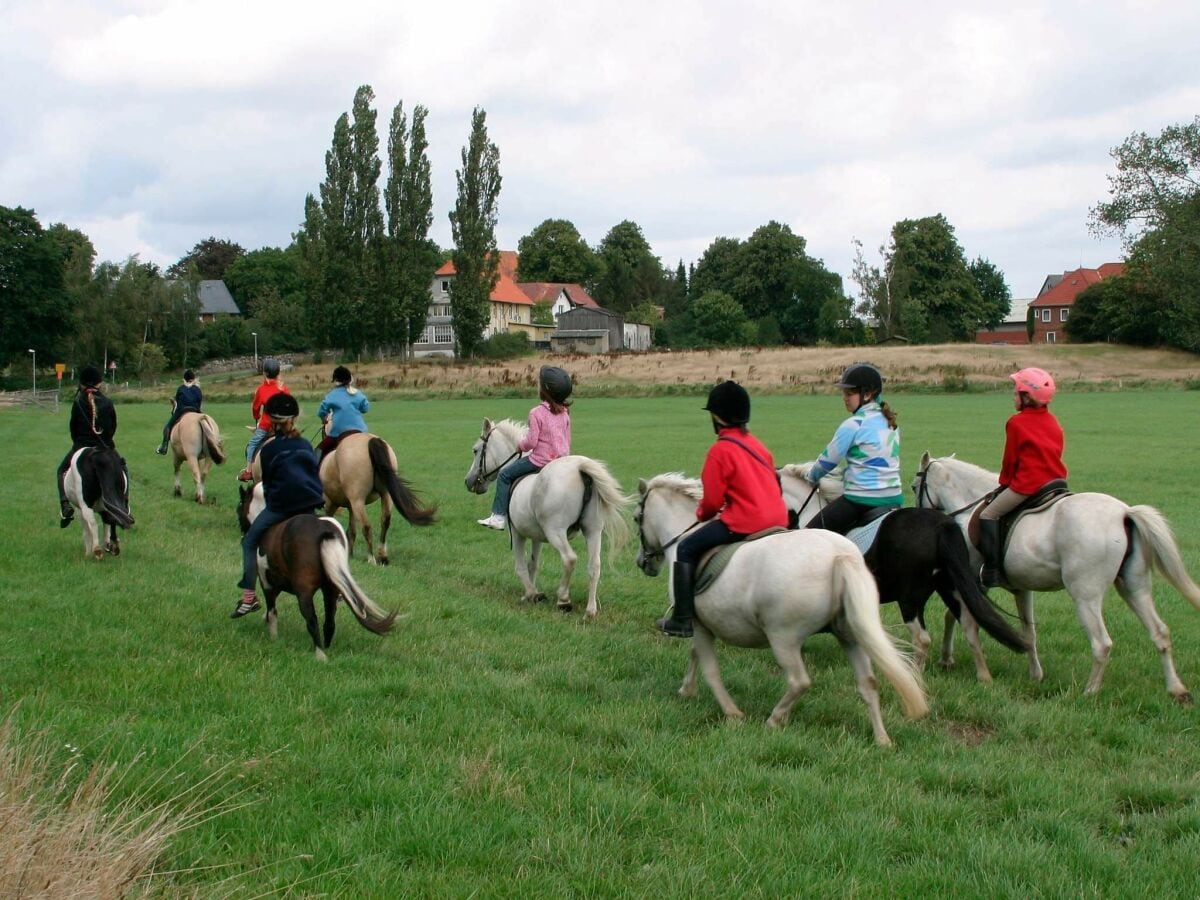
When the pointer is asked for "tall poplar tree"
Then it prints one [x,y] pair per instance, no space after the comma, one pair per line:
[473,227]
[410,256]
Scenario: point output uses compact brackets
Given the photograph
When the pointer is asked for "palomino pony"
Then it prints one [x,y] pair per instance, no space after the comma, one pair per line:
[569,494]
[915,552]
[776,591]
[1082,543]
[360,471]
[196,439]
[96,485]
[301,555]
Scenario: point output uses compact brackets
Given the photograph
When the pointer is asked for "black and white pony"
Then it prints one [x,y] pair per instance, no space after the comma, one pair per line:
[913,553]
[97,485]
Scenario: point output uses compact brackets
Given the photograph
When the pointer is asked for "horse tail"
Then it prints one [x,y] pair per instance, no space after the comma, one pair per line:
[335,558]
[398,488]
[855,587]
[212,440]
[954,559]
[1153,535]
[607,493]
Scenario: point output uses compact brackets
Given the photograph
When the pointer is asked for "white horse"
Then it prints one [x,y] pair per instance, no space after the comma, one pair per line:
[570,493]
[1083,543]
[777,591]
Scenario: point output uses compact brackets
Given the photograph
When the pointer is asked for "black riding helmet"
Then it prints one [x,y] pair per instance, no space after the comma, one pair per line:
[281,406]
[89,376]
[271,367]
[862,377]
[729,402]
[556,383]
[341,375]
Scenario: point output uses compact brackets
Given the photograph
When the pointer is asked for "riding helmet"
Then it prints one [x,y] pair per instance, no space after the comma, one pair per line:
[556,383]
[271,367]
[729,402]
[341,375]
[1035,382]
[862,377]
[282,406]
[89,376]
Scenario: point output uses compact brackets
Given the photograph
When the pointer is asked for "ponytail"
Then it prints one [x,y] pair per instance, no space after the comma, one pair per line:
[888,414]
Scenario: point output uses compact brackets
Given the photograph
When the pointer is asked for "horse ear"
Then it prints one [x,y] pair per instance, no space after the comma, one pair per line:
[925,460]
[487,425]
[642,486]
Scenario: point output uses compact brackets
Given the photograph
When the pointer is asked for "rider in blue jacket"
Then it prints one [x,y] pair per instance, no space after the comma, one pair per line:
[188,398]
[344,405]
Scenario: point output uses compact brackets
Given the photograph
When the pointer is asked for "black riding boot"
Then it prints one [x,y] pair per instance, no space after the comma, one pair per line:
[683,580]
[989,546]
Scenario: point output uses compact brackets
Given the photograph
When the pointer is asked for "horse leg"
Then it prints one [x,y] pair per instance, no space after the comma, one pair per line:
[947,658]
[272,615]
[1134,587]
[560,542]
[971,632]
[1025,612]
[91,536]
[593,537]
[358,513]
[913,614]
[178,487]
[706,657]
[310,619]
[688,688]
[330,593]
[194,465]
[113,544]
[521,567]
[385,522]
[1091,617]
[868,689]
[786,647]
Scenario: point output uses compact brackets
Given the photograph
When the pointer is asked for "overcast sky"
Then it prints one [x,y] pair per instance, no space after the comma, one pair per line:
[153,124]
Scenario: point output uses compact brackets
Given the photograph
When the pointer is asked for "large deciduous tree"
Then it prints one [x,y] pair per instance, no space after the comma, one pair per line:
[994,295]
[929,279]
[555,251]
[630,274]
[473,227]
[410,257]
[210,258]
[35,307]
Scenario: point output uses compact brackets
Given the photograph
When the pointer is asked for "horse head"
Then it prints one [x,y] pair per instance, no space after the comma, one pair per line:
[495,448]
[665,513]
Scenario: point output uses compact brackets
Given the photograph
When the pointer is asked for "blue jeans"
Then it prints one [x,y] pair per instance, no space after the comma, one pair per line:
[250,542]
[504,480]
[260,435]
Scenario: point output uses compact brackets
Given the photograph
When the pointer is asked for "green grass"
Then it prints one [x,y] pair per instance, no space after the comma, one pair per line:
[491,748]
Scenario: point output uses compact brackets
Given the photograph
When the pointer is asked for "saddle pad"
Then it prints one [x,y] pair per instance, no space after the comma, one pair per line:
[864,536]
[713,563]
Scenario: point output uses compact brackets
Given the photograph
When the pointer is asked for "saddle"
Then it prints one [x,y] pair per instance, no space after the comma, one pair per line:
[863,536]
[1049,494]
[714,561]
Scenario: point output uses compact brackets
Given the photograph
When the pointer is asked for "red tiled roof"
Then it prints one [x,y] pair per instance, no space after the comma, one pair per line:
[1074,282]
[506,290]
[548,291]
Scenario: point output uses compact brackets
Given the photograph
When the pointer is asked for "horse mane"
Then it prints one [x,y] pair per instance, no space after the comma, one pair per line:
[831,486]
[678,483]
[511,429]
[970,468]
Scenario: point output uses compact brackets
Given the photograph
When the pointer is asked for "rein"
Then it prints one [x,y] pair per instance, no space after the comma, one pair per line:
[483,477]
[923,493]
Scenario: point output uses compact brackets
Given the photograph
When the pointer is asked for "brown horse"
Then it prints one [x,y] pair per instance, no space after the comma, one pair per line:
[197,439]
[361,470]
[302,555]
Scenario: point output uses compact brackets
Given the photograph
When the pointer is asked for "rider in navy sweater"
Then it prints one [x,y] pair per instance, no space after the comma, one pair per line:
[188,398]
[291,487]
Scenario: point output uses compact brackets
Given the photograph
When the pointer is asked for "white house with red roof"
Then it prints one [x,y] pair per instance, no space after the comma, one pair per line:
[1052,306]
[511,307]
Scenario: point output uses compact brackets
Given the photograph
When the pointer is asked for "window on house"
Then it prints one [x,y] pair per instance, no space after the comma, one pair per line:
[443,334]
[1051,338]
[1062,314]
[1045,315]
[445,287]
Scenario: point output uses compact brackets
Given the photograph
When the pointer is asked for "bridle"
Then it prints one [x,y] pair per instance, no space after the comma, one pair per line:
[660,553]
[483,477]
[922,492]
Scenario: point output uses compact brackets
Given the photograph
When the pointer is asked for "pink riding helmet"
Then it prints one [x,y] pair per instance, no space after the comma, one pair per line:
[1035,382]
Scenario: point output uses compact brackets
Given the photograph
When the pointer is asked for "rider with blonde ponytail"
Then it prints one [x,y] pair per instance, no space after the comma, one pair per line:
[868,443]
[1033,449]
[93,424]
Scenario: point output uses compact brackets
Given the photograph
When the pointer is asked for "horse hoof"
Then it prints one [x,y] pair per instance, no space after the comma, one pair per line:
[946,664]
[539,597]
[114,549]
[98,554]
[1184,699]
[384,561]
[566,607]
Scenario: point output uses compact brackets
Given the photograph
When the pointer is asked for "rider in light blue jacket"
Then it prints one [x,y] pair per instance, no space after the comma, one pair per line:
[344,405]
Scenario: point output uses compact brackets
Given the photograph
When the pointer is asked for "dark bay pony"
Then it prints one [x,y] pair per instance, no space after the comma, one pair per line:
[96,485]
[361,470]
[916,552]
[305,554]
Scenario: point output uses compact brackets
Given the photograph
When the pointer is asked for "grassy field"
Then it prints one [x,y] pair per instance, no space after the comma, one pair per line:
[489,748]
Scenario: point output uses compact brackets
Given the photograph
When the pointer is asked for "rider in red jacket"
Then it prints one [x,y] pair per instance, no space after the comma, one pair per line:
[741,496]
[1033,450]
